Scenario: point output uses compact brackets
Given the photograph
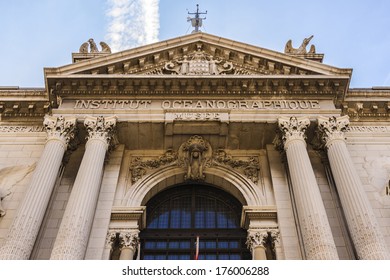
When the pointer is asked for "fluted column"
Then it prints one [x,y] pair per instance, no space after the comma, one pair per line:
[316,232]
[73,234]
[361,221]
[25,226]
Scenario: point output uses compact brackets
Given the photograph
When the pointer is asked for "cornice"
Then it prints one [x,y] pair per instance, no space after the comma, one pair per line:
[269,85]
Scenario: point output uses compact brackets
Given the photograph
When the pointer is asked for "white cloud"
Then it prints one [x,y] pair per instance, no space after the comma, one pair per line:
[132,23]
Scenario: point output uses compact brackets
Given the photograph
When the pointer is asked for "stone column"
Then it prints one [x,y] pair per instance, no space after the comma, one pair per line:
[129,244]
[25,226]
[365,232]
[73,234]
[257,239]
[256,244]
[316,232]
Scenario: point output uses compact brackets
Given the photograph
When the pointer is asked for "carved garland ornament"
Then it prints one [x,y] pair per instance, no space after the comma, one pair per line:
[194,156]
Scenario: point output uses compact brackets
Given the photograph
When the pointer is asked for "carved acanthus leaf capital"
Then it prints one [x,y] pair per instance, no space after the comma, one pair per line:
[293,128]
[129,239]
[60,128]
[332,128]
[259,237]
[101,128]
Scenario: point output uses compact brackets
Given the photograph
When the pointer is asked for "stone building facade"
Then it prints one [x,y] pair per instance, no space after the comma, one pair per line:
[247,152]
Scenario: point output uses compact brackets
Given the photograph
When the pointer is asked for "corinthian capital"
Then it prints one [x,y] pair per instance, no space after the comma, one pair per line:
[332,128]
[101,128]
[129,239]
[60,128]
[293,128]
[256,238]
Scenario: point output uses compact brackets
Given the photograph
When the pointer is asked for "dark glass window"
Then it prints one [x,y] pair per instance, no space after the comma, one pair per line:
[175,217]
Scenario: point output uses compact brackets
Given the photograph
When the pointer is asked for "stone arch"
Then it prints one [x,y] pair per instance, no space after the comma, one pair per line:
[226,179]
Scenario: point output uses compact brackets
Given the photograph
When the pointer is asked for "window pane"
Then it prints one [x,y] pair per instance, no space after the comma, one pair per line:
[149,245]
[223,244]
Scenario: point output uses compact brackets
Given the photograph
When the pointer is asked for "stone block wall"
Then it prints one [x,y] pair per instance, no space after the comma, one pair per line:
[372,162]
[19,153]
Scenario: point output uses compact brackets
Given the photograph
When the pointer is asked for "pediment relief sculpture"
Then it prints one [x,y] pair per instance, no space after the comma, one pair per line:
[199,63]
[195,156]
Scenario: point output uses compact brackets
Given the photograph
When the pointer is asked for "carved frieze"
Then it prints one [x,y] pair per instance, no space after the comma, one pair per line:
[199,63]
[249,167]
[139,167]
[195,156]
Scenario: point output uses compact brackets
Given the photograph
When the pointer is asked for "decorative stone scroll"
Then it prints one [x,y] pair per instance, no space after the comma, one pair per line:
[139,168]
[249,167]
[194,156]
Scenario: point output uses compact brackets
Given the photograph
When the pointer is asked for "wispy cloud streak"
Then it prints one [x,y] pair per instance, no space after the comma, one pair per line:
[132,23]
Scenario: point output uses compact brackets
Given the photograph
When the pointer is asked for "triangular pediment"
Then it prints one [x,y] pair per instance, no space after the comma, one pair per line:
[194,55]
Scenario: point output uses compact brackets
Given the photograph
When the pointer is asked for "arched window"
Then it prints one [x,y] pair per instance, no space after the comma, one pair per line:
[177,216]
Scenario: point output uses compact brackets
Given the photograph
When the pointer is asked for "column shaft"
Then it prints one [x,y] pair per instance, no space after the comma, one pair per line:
[72,238]
[365,232]
[73,235]
[25,227]
[317,235]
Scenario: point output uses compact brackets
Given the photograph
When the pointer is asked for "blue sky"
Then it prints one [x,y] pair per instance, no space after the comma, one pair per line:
[43,33]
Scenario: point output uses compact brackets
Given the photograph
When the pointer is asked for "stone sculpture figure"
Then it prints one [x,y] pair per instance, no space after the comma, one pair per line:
[9,177]
[91,47]
[302,48]
[84,48]
[105,48]
[195,153]
[3,194]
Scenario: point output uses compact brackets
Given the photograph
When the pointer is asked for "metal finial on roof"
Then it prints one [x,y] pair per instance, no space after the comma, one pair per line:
[196,21]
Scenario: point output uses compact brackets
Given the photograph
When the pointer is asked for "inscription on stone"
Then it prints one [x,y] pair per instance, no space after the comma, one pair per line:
[197,116]
[197,104]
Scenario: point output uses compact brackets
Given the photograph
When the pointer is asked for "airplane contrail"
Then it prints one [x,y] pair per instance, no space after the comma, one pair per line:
[132,23]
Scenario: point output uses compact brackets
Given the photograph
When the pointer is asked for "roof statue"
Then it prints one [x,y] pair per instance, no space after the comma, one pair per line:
[302,48]
[196,21]
[90,46]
